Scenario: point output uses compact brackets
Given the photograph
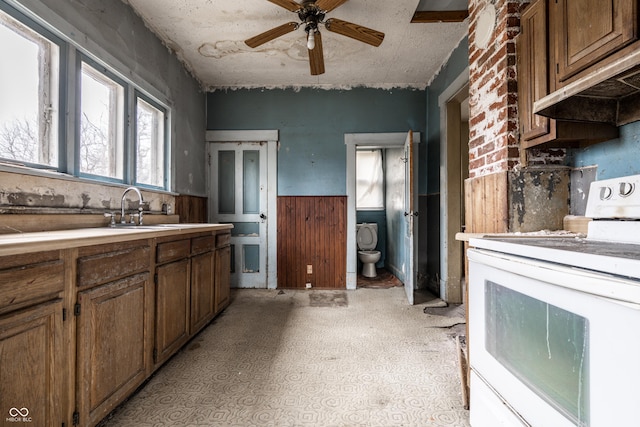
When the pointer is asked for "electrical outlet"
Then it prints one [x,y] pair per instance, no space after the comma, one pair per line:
[308,285]
[309,269]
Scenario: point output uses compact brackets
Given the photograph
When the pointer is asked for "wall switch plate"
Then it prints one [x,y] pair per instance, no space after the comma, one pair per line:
[308,285]
[309,269]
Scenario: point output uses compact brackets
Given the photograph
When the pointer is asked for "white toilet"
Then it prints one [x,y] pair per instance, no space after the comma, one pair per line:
[367,238]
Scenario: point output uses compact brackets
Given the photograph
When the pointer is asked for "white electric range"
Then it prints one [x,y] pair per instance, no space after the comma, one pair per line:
[553,321]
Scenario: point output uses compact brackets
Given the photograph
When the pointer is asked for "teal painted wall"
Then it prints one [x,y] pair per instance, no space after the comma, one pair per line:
[615,158]
[458,61]
[429,185]
[312,124]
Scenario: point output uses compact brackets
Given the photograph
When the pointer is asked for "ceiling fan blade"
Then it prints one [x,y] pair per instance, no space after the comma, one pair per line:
[316,57]
[287,4]
[271,34]
[355,31]
[329,5]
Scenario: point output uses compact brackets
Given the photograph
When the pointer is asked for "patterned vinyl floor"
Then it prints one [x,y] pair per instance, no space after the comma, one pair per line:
[309,358]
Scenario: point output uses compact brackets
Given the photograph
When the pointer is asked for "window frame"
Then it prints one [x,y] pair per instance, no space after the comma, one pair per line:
[121,126]
[41,31]
[69,63]
[137,94]
[383,188]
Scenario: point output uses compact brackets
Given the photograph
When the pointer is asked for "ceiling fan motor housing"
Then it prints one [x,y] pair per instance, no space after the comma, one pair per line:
[311,16]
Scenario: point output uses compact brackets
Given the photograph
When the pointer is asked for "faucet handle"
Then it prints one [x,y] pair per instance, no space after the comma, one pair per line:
[112,215]
[132,217]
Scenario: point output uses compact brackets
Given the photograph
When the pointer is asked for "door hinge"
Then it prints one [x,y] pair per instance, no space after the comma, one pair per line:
[209,159]
[76,418]
[64,316]
[155,278]
[557,68]
[155,355]
[76,310]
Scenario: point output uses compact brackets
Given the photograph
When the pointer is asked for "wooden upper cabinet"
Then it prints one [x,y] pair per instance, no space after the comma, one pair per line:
[589,30]
[535,81]
[533,76]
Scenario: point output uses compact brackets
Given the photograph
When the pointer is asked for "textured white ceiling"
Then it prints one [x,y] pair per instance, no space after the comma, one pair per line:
[208,37]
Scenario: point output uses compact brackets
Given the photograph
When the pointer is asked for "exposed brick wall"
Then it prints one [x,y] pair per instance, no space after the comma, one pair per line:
[493,97]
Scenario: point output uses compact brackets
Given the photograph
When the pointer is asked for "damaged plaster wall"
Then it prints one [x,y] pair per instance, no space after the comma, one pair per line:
[538,198]
[113,33]
[33,194]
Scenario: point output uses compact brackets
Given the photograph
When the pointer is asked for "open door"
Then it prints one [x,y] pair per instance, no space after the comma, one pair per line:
[409,213]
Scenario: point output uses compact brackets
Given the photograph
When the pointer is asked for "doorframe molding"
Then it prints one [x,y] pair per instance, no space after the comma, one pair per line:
[352,141]
[271,137]
[450,206]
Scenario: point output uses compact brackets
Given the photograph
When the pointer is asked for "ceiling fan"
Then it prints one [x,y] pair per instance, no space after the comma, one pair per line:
[311,14]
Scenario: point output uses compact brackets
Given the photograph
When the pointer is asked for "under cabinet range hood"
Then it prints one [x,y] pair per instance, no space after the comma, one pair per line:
[611,94]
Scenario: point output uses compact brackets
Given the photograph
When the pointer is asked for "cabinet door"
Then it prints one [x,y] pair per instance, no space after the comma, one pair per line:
[202,291]
[172,308]
[222,272]
[589,30]
[112,351]
[532,49]
[31,366]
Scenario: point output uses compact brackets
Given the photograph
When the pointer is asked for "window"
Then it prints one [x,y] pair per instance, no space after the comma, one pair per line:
[369,180]
[121,132]
[101,124]
[150,140]
[29,84]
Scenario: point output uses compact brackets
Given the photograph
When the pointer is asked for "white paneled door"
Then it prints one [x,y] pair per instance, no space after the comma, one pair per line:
[238,180]
[409,213]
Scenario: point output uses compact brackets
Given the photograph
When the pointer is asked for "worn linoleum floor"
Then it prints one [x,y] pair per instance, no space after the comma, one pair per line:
[309,358]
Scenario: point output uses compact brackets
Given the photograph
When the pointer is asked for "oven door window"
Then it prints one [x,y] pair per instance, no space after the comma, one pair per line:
[544,346]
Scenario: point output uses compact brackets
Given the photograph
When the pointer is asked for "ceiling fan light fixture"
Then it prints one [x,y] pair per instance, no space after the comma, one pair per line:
[311,40]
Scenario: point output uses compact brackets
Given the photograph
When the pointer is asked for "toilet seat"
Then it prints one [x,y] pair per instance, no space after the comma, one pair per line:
[367,237]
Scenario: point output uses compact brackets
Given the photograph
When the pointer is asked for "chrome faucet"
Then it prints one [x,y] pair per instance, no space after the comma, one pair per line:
[140,203]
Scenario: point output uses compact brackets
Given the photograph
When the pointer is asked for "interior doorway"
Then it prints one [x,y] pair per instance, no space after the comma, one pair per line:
[385,141]
[454,161]
[242,190]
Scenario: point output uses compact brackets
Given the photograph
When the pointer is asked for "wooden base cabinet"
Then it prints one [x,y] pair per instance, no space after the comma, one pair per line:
[112,345]
[223,269]
[113,326]
[172,309]
[202,290]
[31,366]
[33,383]
[79,327]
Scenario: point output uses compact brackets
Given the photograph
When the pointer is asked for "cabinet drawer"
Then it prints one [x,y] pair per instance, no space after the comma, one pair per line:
[33,282]
[105,267]
[171,251]
[202,244]
[223,239]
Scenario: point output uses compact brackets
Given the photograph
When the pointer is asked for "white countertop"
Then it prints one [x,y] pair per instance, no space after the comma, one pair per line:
[21,243]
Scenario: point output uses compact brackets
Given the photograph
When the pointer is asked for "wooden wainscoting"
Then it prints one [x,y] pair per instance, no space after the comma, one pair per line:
[312,231]
[486,204]
[191,209]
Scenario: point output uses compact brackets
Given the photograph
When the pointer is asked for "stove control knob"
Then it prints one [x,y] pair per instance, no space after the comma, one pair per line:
[626,189]
[605,193]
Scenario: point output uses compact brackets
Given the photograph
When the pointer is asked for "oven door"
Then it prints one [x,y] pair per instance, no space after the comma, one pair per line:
[554,354]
